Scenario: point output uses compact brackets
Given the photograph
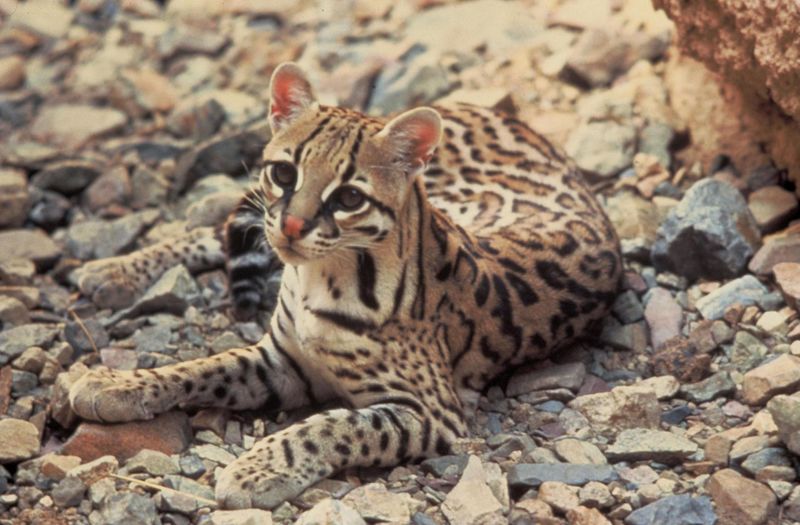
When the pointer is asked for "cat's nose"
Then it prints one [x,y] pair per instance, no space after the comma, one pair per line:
[293,227]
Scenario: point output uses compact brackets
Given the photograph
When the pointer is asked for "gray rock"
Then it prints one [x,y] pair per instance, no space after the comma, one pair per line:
[766,457]
[23,382]
[112,187]
[190,486]
[598,57]
[628,308]
[527,475]
[682,509]
[785,411]
[196,120]
[167,501]
[69,492]
[48,209]
[226,154]
[128,508]
[97,239]
[655,139]
[747,351]
[746,291]
[603,148]
[418,79]
[438,465]
[76,336]
[717,385]
[568,375]
[710,233]
[152,462]
[172,293]
[16,340]
[67,177]
[653,445]
[192,466]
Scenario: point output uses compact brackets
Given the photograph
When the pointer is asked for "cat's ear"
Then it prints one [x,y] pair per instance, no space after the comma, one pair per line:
[414,135]
[290,94]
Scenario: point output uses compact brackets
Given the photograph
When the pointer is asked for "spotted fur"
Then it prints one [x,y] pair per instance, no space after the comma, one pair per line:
[455,265]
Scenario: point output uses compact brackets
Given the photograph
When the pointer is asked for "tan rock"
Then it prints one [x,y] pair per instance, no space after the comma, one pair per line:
[375,503]
[787,275]
[718,446]
[665,387]
[741,500]
[12,72]
[71,125]
[95,470]
[774,251]
[330,512]
[586,516]
[18,440]
[153,91]
[579,452]
[558,495]
[14,200]
[241,517]
[771,207]
[623,407]
[12,311]
[779,376]
[471,500]
[56,466]
[774,322]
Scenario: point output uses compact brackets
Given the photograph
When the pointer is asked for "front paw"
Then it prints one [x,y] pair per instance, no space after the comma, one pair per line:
[109,396]
[248,483]
[110,283]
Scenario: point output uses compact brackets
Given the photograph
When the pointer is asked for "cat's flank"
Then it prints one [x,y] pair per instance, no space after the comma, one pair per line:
[423,255]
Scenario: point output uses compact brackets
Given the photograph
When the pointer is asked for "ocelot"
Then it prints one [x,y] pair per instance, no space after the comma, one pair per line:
[422,256]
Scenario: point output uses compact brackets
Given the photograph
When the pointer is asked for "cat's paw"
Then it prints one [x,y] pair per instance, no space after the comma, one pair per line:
[111,283]
[116,396]
[249,482]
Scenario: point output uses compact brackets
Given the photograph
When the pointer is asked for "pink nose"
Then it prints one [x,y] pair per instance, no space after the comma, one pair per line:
[293,226]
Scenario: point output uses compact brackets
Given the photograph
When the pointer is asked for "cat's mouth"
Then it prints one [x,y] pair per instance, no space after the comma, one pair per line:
[289,254]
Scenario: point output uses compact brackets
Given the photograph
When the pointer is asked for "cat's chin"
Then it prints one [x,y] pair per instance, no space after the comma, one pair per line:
[290,256]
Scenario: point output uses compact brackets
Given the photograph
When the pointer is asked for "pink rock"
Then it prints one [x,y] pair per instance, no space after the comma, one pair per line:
[664,317]
[787,275]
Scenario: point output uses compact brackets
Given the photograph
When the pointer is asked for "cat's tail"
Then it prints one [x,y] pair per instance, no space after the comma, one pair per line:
[251,263]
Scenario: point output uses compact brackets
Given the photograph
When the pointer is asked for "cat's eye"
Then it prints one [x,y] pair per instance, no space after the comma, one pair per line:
[284,174]
[349,198]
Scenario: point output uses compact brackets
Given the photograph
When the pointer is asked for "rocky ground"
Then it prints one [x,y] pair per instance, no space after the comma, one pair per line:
[125,122]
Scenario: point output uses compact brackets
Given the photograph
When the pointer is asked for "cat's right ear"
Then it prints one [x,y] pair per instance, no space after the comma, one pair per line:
[290,94]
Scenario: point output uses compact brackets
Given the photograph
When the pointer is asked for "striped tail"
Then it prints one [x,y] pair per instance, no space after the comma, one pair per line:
[251,263]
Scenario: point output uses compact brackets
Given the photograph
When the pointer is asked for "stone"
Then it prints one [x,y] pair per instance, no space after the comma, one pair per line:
[69,492]
[112,187]
[774,322]
[152,462]
[531,475]
[438,466]
[12,72]
[472,499]
[14,341]
[17,272]
[787,276]
[598,57]
[664,317]
[13,312]
[623,407]
[56,466]
[785,411]
[602,148]
[67,177]
[683,509]
[73,125]
[680,358]
[745,291]
[188,486]
[129,508]
[79,340]
[214,453]
[95,470]
[779,376]
[569,375]
[579,452]
[628,308]
[241,517]
[48,19]
[665,387]
[153,92]
[558,495]
[373,502]
[172,293]
[97,239]
[585,516]
[774,251]
[330,512]
[634,218]
[18,440]
[168,433]
[741,500]
[652,445]
[14,198]
[595,495]
[766,457]
[711,222]
[631,337]
[717,385]
[28,244]
[772,207]
[196,120]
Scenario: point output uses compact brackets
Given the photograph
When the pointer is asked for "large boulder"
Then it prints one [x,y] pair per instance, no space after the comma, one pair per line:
[750,44]
[710,233]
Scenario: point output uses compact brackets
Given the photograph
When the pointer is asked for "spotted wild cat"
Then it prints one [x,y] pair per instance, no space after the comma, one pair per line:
[422,256]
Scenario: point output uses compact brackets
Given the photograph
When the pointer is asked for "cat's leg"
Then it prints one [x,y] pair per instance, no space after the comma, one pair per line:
[262,375]
[396,419]
[199,250]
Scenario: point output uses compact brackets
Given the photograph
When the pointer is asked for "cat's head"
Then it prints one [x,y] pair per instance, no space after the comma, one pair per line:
[334,179]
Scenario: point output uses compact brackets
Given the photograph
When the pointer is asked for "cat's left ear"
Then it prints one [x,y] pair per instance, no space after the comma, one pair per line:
[290,94]
[414,135]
